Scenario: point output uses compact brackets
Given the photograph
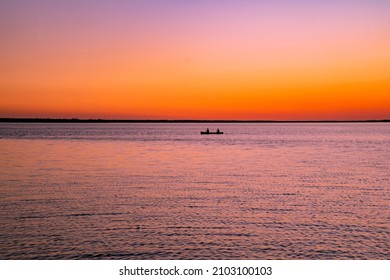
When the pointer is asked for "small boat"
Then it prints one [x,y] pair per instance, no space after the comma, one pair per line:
[208,132]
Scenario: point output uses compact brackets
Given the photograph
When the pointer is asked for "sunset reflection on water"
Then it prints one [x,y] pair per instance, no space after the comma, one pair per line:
[163,191]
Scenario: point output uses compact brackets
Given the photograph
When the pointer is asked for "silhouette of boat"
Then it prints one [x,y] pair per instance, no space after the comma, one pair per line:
[208,132]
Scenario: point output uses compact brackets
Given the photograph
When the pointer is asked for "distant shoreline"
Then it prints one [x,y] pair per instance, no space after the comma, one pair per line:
[73,120]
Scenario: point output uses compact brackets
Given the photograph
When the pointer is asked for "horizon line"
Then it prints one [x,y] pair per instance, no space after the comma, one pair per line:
[99,120]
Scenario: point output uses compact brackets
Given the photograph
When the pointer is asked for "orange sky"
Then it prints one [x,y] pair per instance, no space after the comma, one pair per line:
[242,60]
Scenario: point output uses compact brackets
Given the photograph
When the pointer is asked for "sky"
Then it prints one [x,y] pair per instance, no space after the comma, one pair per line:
[200,59]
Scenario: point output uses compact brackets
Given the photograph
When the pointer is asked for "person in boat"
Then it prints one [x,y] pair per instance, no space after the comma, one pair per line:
[207,131]
[218,131]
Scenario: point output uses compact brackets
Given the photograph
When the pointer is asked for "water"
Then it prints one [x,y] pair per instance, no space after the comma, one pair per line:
[163,191]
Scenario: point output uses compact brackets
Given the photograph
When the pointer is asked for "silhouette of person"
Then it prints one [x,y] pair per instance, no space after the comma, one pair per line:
[218,130]
[207,130]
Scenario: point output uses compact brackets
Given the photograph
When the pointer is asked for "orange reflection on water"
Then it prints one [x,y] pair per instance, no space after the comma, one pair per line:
[295,191]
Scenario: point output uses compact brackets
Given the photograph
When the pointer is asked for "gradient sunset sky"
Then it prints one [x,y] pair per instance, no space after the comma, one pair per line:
[200,59]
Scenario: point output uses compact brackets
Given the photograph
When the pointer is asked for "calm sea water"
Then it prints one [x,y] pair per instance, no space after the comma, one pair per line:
[163,191]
